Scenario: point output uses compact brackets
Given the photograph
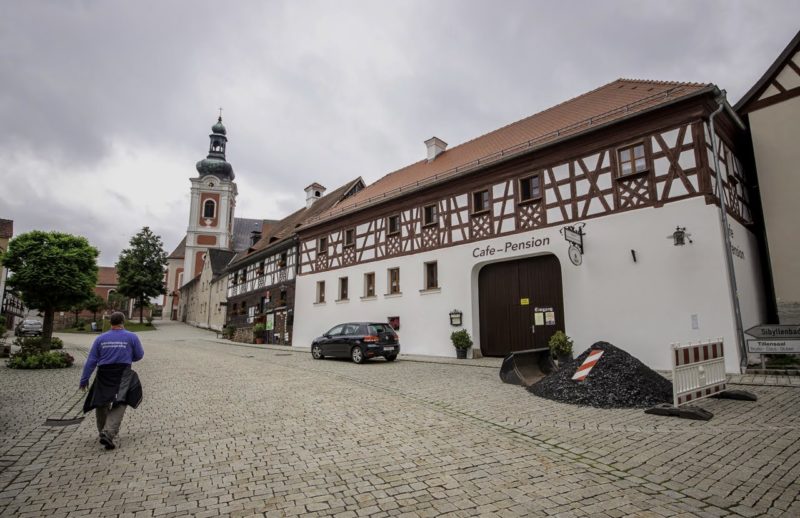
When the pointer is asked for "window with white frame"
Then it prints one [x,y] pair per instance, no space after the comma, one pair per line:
[320,292]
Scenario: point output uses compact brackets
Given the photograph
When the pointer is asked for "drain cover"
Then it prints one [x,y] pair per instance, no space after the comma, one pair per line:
[63,422]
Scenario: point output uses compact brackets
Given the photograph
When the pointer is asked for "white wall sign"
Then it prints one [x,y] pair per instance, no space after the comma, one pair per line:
[773,346]
[510,246]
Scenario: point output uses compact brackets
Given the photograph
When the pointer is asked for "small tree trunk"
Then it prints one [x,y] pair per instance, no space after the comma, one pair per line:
[75,324]
[47,327]
[141,310]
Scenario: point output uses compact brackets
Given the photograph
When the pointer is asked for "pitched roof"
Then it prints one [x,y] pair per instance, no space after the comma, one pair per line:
[6,228]
[180,250]
[219,259]
[107,276]
[285,228]
[609,103]
[754,94]
[243,229]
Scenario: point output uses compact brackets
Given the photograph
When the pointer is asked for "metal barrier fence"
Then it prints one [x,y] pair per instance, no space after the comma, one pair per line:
[698,370]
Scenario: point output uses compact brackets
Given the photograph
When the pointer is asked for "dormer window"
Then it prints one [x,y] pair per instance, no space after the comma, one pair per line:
[209,209]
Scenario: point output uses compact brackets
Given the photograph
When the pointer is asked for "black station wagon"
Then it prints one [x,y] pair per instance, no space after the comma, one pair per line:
[358,341]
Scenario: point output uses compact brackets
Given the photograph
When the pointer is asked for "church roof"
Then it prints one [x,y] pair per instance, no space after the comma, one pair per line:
[591,111]
[180,250]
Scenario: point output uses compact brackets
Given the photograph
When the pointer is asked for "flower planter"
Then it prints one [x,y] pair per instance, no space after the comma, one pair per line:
[259,341]
[461,354]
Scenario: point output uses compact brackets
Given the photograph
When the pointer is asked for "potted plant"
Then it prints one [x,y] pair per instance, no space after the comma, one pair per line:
[229,332]
[560,347]
[461,341]
[258,332]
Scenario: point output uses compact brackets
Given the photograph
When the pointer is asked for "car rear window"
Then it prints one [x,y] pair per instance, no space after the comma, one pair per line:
[380,328]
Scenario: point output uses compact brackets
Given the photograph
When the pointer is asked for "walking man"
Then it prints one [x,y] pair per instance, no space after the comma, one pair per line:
[116,385]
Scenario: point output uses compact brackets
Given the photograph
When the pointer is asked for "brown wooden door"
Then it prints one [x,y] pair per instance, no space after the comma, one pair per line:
[510,294]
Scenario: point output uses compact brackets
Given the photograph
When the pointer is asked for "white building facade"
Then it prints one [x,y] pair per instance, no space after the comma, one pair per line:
[480,230]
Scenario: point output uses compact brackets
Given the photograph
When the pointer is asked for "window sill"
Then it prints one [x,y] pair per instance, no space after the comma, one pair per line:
[432,224]
[529,201]
[369,297]
[479,212]
[633,175]
[319,303]
[342,301]
[429,291]
[392,295]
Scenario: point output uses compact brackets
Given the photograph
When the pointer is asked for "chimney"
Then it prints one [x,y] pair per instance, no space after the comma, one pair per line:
[436,147]
[313,193]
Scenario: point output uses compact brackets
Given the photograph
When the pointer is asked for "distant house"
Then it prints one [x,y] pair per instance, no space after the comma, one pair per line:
[204,296]
[261,279]
[11,306]
[772,111]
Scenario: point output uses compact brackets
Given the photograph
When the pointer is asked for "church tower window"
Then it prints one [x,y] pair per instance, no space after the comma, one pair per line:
[209,209]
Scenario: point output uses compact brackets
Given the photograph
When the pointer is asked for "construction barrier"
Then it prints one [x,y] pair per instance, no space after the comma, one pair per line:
[588,363]
[698,371]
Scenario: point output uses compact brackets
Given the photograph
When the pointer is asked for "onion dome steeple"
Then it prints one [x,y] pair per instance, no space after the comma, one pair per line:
[215,162]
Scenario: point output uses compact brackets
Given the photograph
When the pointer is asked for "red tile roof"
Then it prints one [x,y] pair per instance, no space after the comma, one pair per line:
[107,276]
[611,102]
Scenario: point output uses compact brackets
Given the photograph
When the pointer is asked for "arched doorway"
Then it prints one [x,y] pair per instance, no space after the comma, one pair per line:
[521,304]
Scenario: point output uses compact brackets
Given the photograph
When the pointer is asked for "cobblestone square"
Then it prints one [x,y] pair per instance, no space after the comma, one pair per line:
[233,430]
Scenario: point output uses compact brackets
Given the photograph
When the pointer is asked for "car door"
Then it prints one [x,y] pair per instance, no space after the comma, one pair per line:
[351,337]
[330,341]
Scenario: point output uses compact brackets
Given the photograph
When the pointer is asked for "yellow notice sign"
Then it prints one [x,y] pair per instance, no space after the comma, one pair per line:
[524,302]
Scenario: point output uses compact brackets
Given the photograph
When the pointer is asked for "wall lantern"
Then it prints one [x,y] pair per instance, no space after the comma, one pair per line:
[680,236]
[455,317]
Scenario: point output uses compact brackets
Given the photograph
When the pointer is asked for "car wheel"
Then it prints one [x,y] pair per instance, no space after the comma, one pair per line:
[357,355]
[391,357]
[316,352]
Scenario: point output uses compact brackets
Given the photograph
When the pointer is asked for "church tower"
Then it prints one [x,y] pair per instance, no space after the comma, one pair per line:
[212,204]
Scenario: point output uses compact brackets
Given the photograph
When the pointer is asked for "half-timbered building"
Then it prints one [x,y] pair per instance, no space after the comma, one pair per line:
[261,279]
[772,111]
[599,216]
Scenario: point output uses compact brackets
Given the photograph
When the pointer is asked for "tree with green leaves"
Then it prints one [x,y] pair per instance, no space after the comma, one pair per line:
[95,304]
[141,268]
[51,270]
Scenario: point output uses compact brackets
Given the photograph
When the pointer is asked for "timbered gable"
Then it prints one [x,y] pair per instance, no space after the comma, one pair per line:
[675,164]
[734,186]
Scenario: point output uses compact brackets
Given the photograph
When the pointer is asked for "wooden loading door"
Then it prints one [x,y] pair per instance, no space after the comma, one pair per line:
[510,294]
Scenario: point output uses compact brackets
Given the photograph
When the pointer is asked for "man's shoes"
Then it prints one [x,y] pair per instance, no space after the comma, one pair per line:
[106,441]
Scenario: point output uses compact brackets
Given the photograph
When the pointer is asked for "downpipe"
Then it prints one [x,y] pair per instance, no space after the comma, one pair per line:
[726,232]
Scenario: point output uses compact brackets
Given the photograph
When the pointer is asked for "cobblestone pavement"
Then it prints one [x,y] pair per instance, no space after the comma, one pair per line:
[245,431]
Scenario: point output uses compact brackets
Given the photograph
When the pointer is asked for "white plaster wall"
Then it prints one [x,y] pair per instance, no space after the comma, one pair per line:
[641,307]
[775,132]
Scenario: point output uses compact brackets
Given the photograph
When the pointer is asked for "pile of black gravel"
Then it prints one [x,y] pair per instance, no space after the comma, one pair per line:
[618,380]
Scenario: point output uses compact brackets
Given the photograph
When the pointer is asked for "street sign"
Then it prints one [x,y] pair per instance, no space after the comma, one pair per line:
[775,332]
[573,236]
[776,346]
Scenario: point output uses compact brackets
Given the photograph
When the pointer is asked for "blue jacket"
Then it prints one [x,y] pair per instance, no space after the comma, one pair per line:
[114,346]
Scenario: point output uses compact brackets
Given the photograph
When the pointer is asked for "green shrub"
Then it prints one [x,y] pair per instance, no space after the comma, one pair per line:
[149,320]
[461,339]
[560,344]
[56,343]
[229,332]
[40,360]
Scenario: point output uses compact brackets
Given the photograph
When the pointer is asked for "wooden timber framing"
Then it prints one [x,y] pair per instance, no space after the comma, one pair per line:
[579,179]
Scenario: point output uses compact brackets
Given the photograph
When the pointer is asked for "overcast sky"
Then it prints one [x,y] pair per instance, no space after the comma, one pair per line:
[106,106]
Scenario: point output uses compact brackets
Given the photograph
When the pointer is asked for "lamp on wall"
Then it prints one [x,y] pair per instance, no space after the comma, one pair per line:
[680,236]
[455,317]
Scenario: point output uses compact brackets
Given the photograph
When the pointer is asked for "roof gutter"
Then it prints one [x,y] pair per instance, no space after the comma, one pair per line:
[726,229]
[511,156]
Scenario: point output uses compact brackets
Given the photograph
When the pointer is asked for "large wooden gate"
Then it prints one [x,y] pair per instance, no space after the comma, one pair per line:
[521,304]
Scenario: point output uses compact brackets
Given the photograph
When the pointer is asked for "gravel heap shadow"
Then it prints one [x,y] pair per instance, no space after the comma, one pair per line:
[618,380]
